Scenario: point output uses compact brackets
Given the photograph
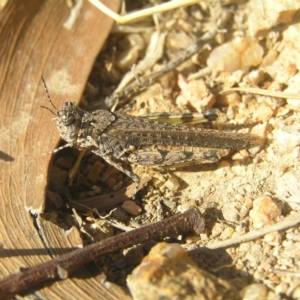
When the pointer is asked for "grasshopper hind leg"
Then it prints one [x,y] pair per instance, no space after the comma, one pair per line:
[165,159]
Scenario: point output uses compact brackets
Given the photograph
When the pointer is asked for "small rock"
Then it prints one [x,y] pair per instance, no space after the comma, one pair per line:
[287,137]
[239,54]
[288,189]
[265,266]
[263,113]
[168,273]
[94,173]
[217,229]
[172,184]
[293,236]
[264,210]
[120,214]
[223,167]
[111,181]
[230,100]
[293,88]
[230,213]
[273,238]
[132,208]
[241,155]
[296,293]
[292,250]
[278,12]
[257,291]
[197,95]
[255,77]
[170,204]
[227,233]
[254,255]
[281,288]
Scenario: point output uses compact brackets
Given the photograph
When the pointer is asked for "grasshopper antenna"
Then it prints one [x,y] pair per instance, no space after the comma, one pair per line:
[49,98]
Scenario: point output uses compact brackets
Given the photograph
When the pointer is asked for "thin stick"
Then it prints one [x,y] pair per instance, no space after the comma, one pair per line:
[134,16]
[288,222]
[146,81]
[60,268]
[74,170]
[262,92]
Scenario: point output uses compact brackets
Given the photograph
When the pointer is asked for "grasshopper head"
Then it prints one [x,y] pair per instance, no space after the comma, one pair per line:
[68,122]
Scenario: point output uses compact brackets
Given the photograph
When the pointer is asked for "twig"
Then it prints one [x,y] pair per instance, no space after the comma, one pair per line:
[134,16]
[146,81]
[290,221]
[74,170]
[285,273]
[262,92]
[61,267]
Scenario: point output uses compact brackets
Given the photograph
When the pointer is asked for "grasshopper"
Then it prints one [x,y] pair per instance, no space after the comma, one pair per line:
[120,137]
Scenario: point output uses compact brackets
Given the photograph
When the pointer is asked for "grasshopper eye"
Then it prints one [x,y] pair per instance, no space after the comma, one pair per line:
[67,119]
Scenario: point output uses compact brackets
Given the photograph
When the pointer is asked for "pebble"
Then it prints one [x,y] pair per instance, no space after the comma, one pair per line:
[197,95]
[281,288]
[273,238]
[172,184]
[170,204]
[261,19]
[292,249]
[257,291]
[265,266]
[294,88]
[240,155]
[217,230]
[227,233]
[288,188]
[287,137]
[296,293]
[223,167]
[255,255]
[95,171]
[255,77]
[264,210]
[239,54]
[230,213]
[131,207]
[120,214]
[168,273]
[111,181]
[263,112]
[230,100]
[293,236]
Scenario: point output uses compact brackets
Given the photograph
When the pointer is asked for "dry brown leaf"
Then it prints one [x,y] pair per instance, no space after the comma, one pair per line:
[34,43]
